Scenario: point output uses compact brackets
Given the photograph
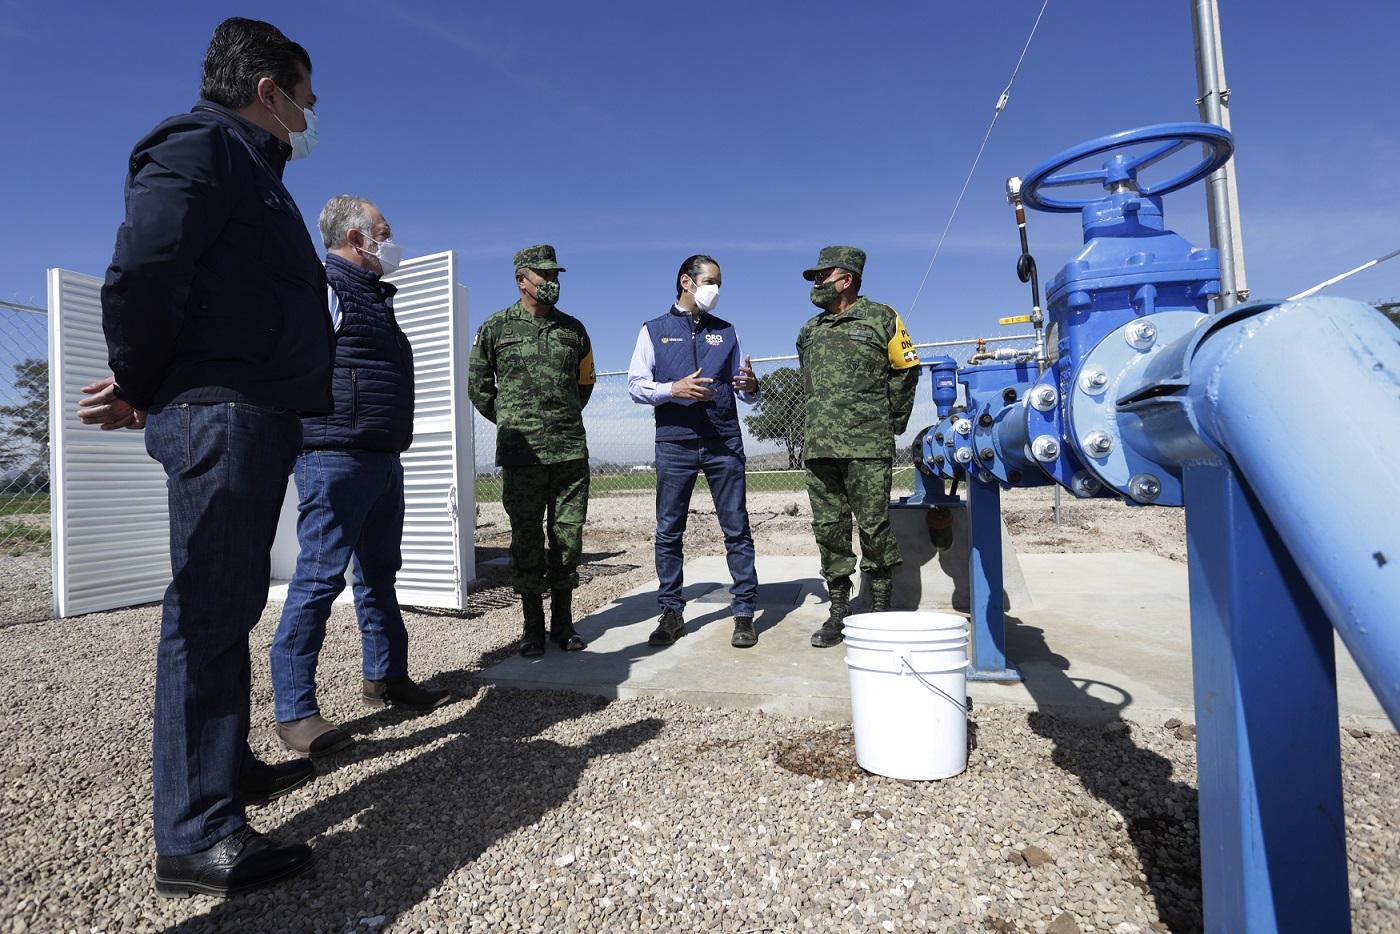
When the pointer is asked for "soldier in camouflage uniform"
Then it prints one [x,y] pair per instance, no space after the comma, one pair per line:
[532,373]
[860,372]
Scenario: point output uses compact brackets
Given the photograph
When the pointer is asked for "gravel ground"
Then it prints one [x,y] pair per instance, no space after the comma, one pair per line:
[556,811]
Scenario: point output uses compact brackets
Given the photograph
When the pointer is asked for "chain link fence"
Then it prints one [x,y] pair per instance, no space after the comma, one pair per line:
[24,430]
[621,432]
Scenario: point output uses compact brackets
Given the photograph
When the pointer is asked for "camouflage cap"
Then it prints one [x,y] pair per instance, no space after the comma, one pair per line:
[539,256]
[845,257]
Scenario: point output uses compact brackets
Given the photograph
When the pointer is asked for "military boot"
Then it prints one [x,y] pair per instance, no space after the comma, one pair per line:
[830,633]
[561,622]
[532,642]
[881,589]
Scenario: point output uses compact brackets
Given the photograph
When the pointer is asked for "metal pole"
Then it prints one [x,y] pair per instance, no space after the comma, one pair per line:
[986,583]
[1057,505]
[1222,197]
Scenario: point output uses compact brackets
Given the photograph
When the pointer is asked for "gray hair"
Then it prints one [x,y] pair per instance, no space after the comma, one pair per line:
[342,214]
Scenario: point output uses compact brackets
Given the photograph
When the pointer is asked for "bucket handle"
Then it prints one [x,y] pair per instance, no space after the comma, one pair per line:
[961,705]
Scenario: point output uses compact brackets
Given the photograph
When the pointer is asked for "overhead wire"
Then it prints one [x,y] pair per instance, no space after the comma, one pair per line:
[1002,101]
[1346,275]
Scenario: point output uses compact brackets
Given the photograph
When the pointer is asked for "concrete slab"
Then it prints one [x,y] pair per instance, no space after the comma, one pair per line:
[1107,635]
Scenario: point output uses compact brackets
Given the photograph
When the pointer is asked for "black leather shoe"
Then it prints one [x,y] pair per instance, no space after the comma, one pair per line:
[745,636]
[568,640]
[240,862]
[262,782]
[402,692]
[831,634]
[668,630]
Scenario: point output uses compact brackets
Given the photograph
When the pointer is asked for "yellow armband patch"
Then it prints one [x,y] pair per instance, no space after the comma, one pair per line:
[901,348]
[587,373]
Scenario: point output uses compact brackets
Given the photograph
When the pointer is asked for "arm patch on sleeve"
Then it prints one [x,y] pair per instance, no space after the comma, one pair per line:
[587,373]
[901,348]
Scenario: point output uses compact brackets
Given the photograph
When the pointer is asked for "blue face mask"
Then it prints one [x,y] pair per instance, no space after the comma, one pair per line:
[302,141]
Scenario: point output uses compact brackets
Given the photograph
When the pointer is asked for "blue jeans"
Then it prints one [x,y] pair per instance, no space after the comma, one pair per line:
[350,505]
[678,463]
[226,466]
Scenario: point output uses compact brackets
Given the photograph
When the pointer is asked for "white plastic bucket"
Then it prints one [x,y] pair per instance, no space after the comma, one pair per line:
[908,692]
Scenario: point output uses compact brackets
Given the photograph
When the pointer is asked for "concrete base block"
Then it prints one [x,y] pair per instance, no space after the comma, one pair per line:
[934,579]
[1110,637]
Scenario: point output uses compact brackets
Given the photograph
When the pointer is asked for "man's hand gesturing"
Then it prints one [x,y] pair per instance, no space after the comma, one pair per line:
[694,387]
[746,381]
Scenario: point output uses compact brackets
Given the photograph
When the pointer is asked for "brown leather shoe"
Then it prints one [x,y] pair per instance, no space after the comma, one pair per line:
[402,692]
[313,736]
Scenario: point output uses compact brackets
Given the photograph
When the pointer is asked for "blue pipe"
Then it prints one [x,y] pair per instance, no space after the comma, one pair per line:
[1255,384]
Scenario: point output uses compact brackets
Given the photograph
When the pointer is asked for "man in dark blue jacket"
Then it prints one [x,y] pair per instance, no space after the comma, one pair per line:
[214,309]
[349,483]
[687,364]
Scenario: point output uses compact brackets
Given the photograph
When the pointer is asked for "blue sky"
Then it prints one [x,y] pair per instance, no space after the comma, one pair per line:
[630,134]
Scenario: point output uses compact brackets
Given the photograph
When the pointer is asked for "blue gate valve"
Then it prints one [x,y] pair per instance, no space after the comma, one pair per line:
[1119,173]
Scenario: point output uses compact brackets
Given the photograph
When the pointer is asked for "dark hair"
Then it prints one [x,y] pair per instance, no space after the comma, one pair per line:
[242,52]
[692,267]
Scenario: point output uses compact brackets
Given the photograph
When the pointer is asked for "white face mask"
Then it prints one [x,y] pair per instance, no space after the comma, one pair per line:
[707,297]
[302,141]
[389,254]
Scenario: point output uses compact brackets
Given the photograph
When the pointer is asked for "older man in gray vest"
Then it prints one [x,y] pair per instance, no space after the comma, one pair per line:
[349,483]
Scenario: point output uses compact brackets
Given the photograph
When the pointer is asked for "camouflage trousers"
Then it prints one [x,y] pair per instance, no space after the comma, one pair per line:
[838,488]
[545,500]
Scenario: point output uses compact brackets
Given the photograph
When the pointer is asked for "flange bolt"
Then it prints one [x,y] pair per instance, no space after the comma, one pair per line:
[1098,444]
[1085,485]
[1044,398]
[1093,381]
[1145,488]
[1141,334]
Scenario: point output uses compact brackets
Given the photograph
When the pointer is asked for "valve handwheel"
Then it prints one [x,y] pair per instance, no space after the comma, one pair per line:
[1120,170]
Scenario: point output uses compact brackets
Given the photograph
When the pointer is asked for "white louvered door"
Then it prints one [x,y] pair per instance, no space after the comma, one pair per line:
[111,530]
[111,536]
[439,549]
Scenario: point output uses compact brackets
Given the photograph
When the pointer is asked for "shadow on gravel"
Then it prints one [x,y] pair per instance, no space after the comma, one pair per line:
[1097,746]
[389,840]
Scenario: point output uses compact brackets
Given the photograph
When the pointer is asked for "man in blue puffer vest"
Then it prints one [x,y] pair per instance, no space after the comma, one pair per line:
[688,366]
[349,483]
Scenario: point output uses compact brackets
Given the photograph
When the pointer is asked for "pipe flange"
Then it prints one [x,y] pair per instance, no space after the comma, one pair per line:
[1117,361]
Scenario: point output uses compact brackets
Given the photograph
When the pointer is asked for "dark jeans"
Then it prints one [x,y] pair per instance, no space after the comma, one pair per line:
[350,506]
[226,466]
[678,463]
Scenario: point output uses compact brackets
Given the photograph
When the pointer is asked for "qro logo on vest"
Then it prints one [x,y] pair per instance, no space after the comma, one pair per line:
[714,340]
